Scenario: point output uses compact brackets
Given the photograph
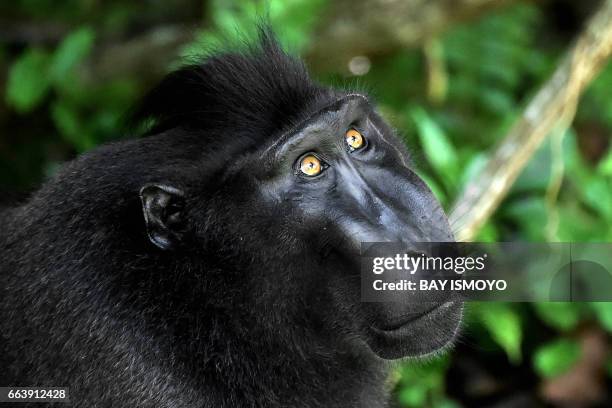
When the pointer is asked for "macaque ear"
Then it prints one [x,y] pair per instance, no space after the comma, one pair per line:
[163,208]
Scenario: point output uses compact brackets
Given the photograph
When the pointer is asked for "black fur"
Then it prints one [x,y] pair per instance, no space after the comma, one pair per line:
[225,319]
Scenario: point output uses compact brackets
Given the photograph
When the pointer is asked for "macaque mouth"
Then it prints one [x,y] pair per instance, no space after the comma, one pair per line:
[408,319]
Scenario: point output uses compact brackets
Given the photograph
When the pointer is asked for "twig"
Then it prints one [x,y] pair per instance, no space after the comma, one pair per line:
[557,170]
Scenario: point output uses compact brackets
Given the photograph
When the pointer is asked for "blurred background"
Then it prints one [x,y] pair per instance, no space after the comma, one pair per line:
[452,76]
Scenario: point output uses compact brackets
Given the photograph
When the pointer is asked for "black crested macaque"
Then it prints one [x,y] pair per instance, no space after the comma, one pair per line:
[214,261]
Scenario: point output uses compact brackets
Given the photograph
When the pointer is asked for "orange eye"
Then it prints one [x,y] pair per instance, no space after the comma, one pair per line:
[310,165]
[354,139]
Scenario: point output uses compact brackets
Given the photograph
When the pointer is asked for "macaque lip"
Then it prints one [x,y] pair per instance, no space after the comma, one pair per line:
[404,322]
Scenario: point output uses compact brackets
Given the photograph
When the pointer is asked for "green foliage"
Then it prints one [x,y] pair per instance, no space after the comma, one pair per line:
[489,61]
[597,105]
[503,323]
[555,358]
[28,81]
[422,384]
[234,20]
[437,147]
[69,125]
[605,166]
[603,312]
[71,51]
[560,315]
[36,72]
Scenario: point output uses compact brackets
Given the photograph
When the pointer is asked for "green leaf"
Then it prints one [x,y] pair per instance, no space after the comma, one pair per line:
[72,50]
[560,315]
[419,383]
[487,233]
[603,311]
[504,325]
[530,214]
[535,177]
[413,396]
[438,149]
[594,190]
[28,80]
[605,165]
[556,358]
[68,123]
[474,167]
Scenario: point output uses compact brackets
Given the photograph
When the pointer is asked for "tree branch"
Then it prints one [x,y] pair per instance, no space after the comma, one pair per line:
[552,108]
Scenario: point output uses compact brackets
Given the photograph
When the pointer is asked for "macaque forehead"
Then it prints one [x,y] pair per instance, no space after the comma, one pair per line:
[328,115]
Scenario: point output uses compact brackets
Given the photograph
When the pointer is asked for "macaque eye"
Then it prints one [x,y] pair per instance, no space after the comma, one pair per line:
[354,139]
[310,165]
